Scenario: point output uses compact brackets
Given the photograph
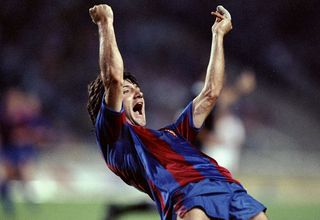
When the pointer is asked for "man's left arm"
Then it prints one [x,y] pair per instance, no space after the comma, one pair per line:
[205,101]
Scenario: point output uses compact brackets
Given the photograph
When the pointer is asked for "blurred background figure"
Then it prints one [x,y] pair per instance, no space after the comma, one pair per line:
[22,132]
[228,136]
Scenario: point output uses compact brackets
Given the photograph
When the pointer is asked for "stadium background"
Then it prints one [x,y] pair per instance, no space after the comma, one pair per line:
[50,48]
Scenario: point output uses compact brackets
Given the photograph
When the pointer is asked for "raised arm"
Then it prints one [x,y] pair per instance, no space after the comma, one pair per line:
[110,60]
[204,102]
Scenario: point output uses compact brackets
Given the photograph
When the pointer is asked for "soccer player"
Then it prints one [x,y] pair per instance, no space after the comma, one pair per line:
[185,183]
[22,128]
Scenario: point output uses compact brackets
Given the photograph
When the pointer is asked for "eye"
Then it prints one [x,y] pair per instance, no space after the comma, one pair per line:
[125,91]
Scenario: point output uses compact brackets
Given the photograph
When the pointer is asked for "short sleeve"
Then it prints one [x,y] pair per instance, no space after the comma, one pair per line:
[109,125]
[184,124]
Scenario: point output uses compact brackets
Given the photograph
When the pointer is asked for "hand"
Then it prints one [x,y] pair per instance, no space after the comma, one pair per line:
[223,24]
[101,14]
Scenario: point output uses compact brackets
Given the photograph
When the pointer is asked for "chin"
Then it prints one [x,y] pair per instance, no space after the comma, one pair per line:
[137,122]
[142,124]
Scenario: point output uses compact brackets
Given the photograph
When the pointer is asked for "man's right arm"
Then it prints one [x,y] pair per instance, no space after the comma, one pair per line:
[110,60]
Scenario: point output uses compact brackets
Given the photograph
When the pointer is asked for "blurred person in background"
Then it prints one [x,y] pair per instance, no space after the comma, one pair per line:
[225,141]
[184,182]
[22,130]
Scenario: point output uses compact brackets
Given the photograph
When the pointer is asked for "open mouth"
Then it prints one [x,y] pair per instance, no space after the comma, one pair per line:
[138,108]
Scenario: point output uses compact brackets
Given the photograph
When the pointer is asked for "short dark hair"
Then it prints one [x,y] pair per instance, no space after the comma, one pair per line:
[96,91]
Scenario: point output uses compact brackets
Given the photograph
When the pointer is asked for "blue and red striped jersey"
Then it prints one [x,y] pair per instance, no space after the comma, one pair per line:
[157,162]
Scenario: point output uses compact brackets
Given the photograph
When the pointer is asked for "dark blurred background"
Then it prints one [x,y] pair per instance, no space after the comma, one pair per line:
[50,49]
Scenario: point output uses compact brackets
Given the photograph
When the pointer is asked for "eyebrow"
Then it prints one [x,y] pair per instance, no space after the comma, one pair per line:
[130,86]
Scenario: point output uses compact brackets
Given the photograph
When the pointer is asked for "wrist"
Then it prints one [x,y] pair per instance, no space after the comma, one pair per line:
[218,36]
[104,22]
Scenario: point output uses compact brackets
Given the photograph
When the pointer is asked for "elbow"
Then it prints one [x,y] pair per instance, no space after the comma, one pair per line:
[212,95]
[116,82]
[113,77]
[115,74]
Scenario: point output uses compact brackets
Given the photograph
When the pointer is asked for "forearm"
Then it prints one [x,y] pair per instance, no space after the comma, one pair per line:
[110,60]
[215,70]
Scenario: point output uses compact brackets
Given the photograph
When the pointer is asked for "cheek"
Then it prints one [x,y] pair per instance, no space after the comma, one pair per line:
[126,103]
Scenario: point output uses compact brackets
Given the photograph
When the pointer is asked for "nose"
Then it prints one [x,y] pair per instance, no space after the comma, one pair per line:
[138,93]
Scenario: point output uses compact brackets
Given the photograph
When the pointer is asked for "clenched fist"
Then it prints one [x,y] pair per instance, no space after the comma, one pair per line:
[101,14]
[223,24]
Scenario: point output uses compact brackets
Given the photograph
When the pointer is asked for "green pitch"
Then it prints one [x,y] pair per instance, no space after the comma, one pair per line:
[85,211]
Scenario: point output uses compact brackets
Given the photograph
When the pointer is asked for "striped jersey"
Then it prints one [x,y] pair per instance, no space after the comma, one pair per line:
[157,162]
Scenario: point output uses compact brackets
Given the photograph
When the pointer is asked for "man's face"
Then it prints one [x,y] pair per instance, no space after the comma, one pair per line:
[133,103]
